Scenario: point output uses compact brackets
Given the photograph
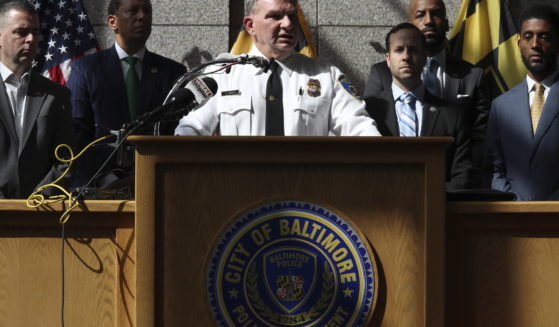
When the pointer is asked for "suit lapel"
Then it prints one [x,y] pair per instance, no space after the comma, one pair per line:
[36,96]
[6,114]
[114,76]
[451,80]
[430,115]
[390,118]
[148,83]
[519,106]
[549,112]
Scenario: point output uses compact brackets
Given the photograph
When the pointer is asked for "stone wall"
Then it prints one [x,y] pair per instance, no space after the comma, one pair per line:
[350,33]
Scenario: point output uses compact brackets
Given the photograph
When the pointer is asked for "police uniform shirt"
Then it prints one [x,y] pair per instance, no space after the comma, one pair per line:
[317,100]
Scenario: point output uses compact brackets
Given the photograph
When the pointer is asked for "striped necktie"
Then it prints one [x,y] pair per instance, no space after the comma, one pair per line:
[537,105]
[408,119]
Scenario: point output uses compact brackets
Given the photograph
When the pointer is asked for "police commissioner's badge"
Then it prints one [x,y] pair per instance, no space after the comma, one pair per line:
[291,264]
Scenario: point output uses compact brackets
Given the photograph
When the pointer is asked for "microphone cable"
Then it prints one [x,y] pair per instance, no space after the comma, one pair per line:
[36,200]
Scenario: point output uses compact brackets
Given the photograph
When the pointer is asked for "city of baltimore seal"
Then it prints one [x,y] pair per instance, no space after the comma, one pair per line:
[291,263]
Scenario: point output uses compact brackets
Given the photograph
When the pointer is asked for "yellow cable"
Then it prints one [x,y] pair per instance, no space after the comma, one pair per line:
[36,199]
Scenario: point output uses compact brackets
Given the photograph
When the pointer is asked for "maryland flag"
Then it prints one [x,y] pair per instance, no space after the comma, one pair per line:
[484,35]
[305,45]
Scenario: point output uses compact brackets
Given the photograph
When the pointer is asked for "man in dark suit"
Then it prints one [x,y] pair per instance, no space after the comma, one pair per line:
[449,78]
[35,114]
[406,108]
[523,131]
[102,98]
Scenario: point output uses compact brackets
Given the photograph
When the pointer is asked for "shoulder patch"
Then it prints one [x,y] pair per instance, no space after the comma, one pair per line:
[348,86]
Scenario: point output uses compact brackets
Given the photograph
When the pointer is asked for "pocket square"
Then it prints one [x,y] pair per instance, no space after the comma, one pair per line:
[462,96]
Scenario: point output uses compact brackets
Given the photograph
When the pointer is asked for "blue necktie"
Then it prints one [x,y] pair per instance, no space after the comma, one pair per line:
[431,80]
[408,119]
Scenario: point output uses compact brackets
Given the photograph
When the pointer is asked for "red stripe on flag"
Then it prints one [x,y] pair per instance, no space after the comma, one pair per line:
[56,75]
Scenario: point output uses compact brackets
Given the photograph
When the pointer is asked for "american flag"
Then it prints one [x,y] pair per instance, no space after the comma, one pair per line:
[66,34]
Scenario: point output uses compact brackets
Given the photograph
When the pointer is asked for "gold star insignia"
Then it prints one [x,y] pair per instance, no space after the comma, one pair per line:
[347,292]
[233,293]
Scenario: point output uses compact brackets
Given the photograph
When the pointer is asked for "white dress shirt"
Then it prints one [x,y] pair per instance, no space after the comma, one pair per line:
[546,83]
[17,91]
[139,63]
[419,94]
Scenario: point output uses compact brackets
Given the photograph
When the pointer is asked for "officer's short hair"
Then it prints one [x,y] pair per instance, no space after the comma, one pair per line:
[250,6]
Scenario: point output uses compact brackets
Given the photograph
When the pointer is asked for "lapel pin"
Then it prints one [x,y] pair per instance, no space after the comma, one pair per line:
[433,109]
[153,70]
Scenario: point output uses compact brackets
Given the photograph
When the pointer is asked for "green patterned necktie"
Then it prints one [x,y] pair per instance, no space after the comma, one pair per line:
[132,87]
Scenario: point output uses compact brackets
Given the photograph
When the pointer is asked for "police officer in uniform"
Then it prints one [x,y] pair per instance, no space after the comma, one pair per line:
[296,95]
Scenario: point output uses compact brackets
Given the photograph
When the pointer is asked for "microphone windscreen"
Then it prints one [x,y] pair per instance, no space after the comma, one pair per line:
[211,84]
[202,88]
[181,97]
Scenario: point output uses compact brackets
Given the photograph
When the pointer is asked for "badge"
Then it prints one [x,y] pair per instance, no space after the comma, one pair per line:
[313,88]
[291,264]
[346,84]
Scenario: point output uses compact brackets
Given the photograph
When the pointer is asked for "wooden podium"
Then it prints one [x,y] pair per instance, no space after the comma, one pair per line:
[188,188]
[144,263]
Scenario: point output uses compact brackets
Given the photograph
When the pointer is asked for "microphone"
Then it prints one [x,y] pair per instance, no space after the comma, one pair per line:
[200,90]
[259,62]
[181,101]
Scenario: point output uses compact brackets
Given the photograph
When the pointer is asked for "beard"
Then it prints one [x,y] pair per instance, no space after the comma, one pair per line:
[435,39]
[547,64]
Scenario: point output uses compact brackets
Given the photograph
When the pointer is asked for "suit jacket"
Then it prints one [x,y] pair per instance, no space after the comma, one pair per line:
[439,119]
[99,100]
[524,163]
[29,162]
[464,85]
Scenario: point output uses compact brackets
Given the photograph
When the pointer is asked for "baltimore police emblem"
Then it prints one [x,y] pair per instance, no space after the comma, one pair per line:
[291,264]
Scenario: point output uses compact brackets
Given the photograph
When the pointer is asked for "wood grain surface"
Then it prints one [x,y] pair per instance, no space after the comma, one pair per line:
[98,261]
[189,188]
[503,263]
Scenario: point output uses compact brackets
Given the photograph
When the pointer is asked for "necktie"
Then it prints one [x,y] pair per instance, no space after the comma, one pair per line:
[537,105]
[431,79]
[408,119]
[132,86]
[274,103]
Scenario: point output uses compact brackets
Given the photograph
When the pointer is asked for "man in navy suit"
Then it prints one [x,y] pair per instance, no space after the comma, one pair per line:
[407,108]
[101,100]
[523,130]
[449,78]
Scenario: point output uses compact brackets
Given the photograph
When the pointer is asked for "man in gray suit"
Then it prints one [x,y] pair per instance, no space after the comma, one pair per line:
[523,130]
[35,113]
[449,78]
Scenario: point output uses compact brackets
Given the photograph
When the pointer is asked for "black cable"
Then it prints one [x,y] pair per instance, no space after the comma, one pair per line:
[62,276]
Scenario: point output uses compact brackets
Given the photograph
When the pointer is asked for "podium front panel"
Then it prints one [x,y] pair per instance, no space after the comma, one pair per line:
[189,189]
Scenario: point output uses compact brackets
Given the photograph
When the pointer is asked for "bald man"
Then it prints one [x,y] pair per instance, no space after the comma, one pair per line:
[451,79]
